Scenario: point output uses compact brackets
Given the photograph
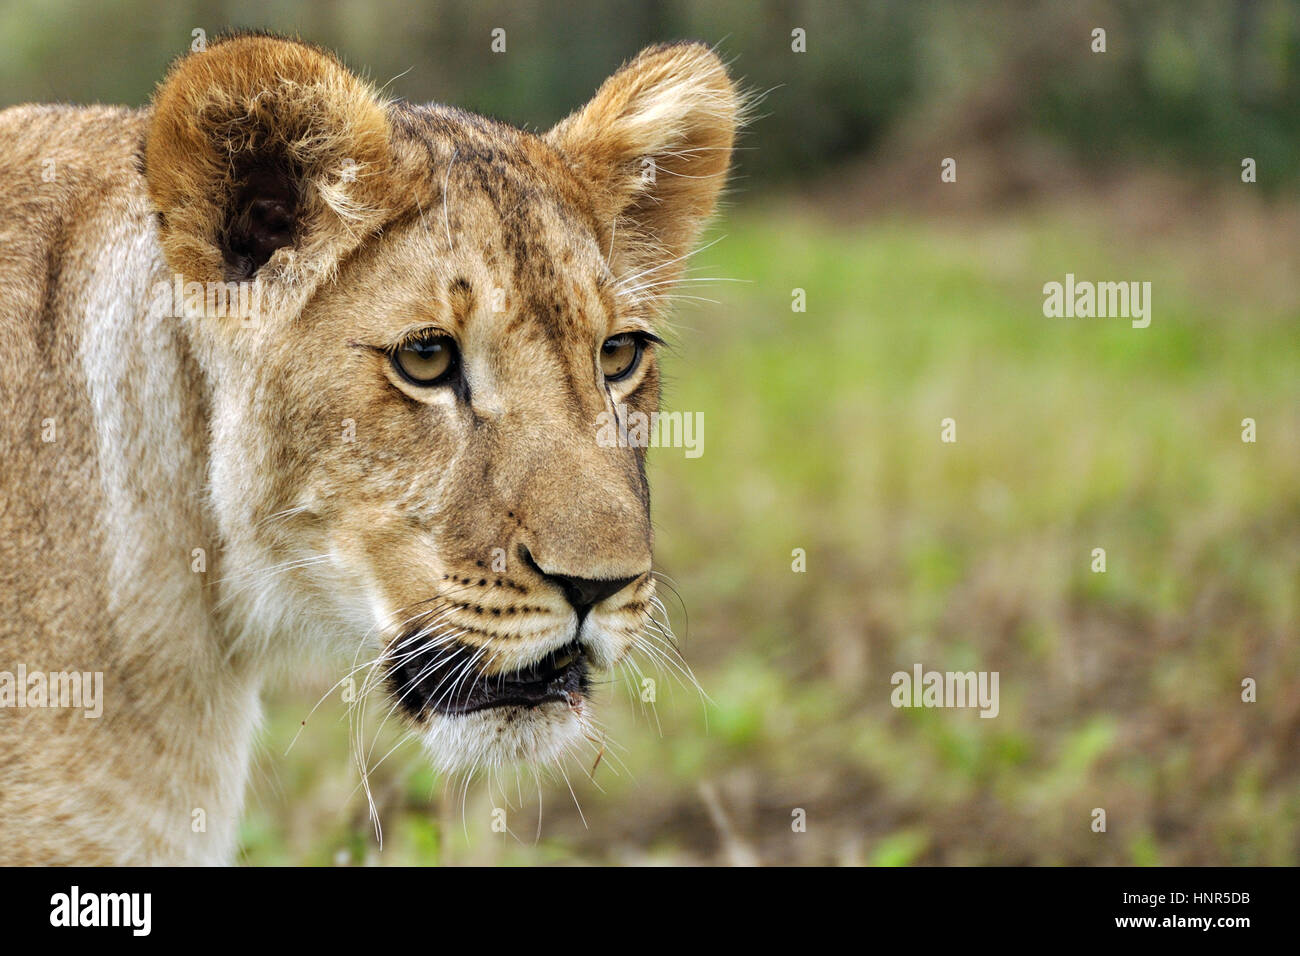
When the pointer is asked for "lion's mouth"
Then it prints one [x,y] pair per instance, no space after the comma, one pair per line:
[443,681]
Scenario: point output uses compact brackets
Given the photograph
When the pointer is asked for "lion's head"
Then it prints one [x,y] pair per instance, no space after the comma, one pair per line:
[433,312]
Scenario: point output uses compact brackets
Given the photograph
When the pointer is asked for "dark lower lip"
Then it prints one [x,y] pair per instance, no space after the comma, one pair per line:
[434,682]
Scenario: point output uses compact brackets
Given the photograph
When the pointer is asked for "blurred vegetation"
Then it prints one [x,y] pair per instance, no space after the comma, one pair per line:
[1203,82]
[1118,690]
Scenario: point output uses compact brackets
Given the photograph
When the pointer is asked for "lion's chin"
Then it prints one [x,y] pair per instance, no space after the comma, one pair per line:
[500,736]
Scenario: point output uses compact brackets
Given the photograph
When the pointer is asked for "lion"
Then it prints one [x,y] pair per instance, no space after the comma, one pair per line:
[290,369]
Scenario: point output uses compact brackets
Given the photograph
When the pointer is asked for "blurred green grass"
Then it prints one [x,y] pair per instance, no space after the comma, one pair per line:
[1118,690]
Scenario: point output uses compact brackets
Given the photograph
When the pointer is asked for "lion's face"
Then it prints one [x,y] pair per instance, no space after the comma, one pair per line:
[407,455]
[441,448]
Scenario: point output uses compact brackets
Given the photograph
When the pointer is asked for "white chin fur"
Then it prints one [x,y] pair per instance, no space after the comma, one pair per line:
[501,736]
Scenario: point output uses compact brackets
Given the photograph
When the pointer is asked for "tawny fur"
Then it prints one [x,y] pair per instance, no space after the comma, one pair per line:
[329,497]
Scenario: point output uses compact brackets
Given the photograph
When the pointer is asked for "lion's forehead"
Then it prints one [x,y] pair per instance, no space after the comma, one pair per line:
[512,181]
[487,223]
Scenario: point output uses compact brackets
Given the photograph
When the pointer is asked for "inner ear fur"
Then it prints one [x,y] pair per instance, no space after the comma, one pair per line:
[654,145]
[259,144]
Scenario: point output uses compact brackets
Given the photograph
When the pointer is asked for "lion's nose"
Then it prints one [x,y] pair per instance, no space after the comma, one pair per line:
[582,593]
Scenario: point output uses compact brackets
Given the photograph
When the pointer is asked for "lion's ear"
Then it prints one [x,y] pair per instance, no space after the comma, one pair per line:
[261,144]
[654,144]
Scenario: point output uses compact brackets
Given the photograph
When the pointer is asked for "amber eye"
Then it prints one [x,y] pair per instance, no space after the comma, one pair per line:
[425,362]
[620,355]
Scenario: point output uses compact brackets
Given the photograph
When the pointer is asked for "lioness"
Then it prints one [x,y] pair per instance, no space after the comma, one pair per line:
[288,367]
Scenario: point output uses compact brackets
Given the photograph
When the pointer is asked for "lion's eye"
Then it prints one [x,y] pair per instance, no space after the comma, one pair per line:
[620,355]
[427,361]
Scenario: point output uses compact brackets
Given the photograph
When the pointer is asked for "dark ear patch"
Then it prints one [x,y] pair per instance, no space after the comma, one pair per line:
[262,219]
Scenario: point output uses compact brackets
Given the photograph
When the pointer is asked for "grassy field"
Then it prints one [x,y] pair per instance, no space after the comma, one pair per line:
[1119,690]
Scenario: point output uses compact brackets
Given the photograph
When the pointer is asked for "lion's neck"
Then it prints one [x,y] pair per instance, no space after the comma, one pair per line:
[103,491]
[177,689]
